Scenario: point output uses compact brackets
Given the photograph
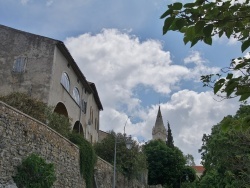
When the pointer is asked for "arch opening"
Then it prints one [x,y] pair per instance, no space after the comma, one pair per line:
[61,109]
[78,127]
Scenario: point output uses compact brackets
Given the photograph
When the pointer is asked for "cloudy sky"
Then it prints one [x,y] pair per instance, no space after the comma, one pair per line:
[118,44]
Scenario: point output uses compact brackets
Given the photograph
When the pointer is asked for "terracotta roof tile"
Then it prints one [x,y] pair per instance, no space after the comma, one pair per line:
[199,169]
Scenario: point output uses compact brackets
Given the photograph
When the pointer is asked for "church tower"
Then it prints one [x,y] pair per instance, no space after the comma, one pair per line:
[159,131]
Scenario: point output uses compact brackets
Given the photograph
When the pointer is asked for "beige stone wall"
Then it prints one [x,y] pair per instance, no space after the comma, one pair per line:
[104,177]
[21,135]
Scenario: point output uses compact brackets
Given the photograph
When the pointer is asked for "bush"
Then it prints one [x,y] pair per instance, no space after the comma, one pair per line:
[38,110]
[35,172]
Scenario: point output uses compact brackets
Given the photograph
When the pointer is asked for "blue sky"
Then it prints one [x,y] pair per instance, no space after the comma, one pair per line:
[120,47]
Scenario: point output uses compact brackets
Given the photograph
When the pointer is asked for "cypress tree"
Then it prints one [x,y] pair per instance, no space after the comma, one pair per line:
[170,140]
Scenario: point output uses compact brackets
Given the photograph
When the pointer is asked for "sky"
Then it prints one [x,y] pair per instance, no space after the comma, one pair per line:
[118,45]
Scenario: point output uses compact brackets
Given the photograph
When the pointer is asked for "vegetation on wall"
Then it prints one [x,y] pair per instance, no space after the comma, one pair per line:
[87,157]
[35,172]
[38,110]
[60,124]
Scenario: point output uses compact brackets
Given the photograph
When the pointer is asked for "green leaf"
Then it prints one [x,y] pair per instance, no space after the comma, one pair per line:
[177,6]
[239,66]
[244,97]
[189,5]
[168,12]
[221,33]
[180,23]
[229,76]
[194,41]
[168,22]
[208,30]
[229,32]
[199,26]
[218,85]
[245,45]
[186,40]
[208,40]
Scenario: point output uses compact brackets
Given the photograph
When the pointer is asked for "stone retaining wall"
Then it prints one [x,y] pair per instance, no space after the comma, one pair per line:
[21,135]
[104,177]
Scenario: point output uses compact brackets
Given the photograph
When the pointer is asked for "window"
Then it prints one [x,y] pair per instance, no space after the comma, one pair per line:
[65,81]
[19,64]
[76,95]
[84,106]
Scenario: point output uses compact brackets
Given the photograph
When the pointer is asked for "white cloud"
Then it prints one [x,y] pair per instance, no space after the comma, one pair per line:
[49,2]
[118,62]
[194,57]
[24,2]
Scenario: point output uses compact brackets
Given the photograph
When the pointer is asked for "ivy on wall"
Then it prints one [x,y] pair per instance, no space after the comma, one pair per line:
[87,157]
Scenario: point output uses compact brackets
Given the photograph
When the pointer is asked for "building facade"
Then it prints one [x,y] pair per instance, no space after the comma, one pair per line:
[44,69]
[159,131]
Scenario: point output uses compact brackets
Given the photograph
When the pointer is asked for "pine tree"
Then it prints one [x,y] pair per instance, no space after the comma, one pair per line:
[170,140]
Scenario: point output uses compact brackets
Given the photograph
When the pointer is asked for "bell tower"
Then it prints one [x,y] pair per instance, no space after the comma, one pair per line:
[159,131]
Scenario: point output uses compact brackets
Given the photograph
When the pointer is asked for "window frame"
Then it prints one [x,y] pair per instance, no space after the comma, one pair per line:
[76,97]
[65,81]
[19,64]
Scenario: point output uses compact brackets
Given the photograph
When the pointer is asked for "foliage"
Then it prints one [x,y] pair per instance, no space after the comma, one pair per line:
[129,162]
[38,110]
[200,21]
[165,164]
[26,104]
[87,157]
[189,160]
[35,172]
[170,140]
[226,153]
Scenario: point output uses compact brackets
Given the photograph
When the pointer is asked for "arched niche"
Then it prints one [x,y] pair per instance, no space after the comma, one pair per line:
[78,127]
[61,109]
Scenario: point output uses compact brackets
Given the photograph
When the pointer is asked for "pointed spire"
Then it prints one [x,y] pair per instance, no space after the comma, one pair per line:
[159,131]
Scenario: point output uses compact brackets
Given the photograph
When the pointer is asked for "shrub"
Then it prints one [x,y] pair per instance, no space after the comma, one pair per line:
[35,172]
[38,110]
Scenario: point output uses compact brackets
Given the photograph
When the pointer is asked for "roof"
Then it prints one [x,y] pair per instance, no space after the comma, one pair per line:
[199,169]
[159,121]
[96,96]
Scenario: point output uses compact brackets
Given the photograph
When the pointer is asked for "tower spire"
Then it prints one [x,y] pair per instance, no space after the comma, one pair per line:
[159,131]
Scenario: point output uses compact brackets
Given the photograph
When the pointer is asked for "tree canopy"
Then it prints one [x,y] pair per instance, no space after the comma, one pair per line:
[129,162]
[170,140]
[165,164]
[201,20]
[226,153]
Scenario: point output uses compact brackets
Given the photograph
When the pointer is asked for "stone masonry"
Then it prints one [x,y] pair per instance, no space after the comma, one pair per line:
[104,177]
[21,135]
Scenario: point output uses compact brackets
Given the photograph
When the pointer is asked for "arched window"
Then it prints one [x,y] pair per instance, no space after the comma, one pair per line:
[76,95]
[65,81]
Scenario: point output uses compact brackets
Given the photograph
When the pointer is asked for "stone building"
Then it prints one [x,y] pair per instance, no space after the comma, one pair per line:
[44,69]
[159,131]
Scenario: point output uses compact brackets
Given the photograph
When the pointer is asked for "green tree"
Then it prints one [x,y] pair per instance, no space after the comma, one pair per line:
[129,162]
[165,164]
[170,140]
[226,153]
[200,21]
[189,160]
